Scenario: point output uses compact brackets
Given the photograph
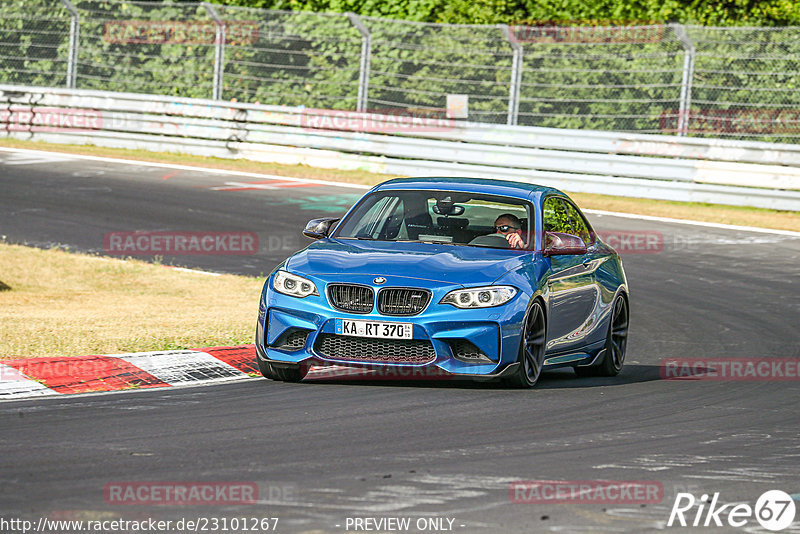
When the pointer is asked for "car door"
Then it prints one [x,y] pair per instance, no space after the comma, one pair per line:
[571,283]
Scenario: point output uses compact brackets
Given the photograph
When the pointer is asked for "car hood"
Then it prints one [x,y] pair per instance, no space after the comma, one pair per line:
[442,263]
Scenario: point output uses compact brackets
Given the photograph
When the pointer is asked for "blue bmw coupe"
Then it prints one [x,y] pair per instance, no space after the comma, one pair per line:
[451,277]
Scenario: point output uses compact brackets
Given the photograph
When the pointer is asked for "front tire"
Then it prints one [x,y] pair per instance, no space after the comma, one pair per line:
[531,347]
[616,343]
[289,373]
[285,373]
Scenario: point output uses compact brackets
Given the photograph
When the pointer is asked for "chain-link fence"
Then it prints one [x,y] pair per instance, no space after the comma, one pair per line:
[746,82]
[686,80]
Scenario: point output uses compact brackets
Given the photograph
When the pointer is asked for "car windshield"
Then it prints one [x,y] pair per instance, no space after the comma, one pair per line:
[451,217]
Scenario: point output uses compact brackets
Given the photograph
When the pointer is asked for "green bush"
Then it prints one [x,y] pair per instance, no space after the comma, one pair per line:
[703,12]
[34,39]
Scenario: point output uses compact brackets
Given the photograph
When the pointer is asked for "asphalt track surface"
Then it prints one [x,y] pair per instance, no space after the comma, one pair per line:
[325,452]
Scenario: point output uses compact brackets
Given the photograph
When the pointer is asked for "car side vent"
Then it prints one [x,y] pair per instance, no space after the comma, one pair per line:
[292,340]
[465,351]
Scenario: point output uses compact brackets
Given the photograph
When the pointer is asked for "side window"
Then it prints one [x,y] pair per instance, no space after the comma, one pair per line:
[555,216]
[580,227]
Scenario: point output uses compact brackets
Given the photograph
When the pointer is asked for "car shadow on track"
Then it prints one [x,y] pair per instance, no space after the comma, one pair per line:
[631,374]
[555,379]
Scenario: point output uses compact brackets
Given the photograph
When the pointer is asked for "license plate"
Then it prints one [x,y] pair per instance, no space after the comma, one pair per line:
[346,327]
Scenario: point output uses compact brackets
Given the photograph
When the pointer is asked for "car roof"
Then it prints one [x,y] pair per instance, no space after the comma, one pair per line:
[468,185]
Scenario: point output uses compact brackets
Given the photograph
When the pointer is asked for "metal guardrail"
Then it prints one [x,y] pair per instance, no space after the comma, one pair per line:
[663,167]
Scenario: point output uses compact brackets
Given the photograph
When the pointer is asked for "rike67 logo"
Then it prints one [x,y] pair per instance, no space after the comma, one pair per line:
[774,510]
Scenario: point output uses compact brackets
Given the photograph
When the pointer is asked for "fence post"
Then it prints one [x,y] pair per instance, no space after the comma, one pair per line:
[516,75]
[686,81]
[219,52]
[72,54]
[366,53]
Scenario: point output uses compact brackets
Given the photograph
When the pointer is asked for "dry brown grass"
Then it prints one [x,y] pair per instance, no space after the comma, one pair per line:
[64,304]
[763,218]
[679,210]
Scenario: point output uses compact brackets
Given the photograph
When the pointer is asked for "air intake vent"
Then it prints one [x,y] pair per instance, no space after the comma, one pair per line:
[291,341]
[361,349]
[351,298]
[401,301]
[466,351]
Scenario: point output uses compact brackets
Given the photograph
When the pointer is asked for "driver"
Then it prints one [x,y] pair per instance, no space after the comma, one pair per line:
[511,228]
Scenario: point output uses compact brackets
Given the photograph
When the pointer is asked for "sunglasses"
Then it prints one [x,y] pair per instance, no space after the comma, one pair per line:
[506,228]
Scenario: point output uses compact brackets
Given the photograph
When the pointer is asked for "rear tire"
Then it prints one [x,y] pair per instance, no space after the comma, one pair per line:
[531,348]
[616,343]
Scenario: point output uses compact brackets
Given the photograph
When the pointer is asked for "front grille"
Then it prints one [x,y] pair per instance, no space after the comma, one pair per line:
[294,339]
[401,301]
[351,298]
[466,351]
[363,349]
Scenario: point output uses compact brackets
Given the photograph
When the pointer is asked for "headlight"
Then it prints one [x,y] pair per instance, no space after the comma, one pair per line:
[293,285]
[480,297]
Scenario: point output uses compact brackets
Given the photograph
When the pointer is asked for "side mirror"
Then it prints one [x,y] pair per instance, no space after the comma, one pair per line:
[319,228]
[561,244]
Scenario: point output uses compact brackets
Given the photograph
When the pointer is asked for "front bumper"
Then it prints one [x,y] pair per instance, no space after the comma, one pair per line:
[447,341]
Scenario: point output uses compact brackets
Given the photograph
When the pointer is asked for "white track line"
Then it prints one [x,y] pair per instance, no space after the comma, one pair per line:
[694,223]
[720,226]
[191,168]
